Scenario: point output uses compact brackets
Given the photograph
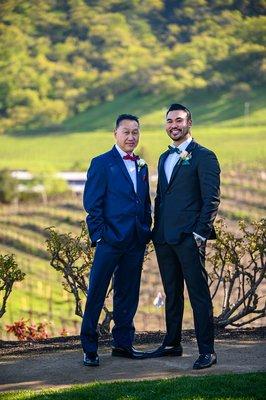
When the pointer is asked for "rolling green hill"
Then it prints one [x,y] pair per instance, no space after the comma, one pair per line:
[219,123]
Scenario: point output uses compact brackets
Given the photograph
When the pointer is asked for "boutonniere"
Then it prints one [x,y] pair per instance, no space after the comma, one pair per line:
[140,163]
[185,157]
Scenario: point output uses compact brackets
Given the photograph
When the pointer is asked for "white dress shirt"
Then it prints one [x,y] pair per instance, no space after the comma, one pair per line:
[169,165]
[130,166]
[172,159]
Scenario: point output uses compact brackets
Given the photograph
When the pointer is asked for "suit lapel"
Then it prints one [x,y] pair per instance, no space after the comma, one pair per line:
[161,171]
[121,163]
[189,149]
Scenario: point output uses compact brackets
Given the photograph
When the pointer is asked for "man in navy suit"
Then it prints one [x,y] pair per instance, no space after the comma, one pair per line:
[117,200]
[186,205]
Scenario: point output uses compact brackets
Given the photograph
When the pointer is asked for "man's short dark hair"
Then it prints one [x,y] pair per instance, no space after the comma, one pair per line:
[125,116]
[176,106]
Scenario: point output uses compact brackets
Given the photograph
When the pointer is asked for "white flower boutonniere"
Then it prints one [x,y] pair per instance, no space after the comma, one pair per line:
[185,157]
[140,163]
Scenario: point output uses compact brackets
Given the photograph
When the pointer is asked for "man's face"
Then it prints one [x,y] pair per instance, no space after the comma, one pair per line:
[178,126]
[127,135]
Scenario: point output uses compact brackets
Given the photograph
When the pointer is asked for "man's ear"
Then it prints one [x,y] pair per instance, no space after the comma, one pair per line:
[115,132]
[190,122]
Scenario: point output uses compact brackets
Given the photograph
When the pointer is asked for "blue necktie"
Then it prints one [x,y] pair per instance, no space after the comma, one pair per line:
[174,150]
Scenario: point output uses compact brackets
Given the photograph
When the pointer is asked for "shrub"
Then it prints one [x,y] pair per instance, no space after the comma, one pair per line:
[24,331]
[8,187]
[9,274]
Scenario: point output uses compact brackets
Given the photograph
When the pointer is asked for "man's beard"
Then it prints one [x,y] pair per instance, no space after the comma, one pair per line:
[184,132]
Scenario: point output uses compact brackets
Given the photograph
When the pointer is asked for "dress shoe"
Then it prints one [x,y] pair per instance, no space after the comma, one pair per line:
[128,352]
[91,359]
[163,351]
[205,361]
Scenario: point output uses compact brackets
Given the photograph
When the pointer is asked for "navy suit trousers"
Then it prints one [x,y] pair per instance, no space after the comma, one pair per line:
[179,262]
[126,266]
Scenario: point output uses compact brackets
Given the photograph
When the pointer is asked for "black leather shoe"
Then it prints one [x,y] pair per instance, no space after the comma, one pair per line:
[205,361]
[162,351]
[91,359]
[128,352]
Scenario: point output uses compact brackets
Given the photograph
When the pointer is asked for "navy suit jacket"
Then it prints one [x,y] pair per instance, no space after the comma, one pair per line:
[116,213]
[189,202]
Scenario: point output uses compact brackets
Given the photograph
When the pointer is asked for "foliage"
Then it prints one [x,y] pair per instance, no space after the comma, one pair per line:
[238,268]
[8,187]
[24,331]
[59,58]
[9,274]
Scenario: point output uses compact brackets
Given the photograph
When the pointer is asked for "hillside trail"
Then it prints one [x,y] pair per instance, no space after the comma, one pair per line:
[63,368]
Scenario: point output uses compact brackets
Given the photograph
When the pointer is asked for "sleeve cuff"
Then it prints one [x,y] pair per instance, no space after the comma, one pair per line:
[197,236]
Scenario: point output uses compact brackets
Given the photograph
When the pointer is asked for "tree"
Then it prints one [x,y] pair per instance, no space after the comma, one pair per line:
[237,269]
[9,274]
[72,256]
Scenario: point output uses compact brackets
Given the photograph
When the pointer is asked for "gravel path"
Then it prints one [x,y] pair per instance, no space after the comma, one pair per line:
[63,368]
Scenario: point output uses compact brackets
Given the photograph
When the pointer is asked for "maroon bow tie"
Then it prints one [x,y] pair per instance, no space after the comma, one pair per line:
[132,158]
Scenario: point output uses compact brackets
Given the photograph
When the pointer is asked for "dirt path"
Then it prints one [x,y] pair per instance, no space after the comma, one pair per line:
[64,368]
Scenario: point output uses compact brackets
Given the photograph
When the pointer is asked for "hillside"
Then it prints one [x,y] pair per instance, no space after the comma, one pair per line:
[219,123]
[60,58]
[209,108]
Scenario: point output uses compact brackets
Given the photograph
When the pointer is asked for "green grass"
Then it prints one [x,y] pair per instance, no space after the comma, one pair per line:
[219,387]
[218,123]
[235,146]
[207,108]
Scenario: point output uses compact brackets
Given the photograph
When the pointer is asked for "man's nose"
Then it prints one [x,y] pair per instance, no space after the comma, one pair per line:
[131,137]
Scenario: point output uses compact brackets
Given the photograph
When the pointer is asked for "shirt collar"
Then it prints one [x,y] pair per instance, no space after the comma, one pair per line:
[120,151]
[183,145]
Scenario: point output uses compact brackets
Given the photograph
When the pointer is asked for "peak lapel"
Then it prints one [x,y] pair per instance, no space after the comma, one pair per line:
[161,172]
[189,149]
